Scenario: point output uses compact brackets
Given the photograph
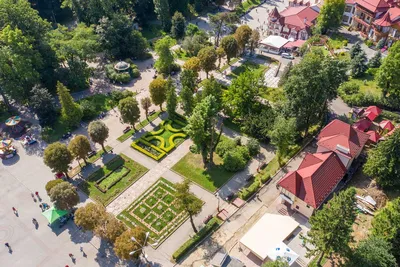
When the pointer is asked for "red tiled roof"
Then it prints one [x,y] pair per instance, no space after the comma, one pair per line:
[373,136]
[297,43]
[340,133]
[373,5]
[372,112]
[386,124]
[385,21]
[392,131]
[362,124]
[315,179]
[350,2]
[299,17]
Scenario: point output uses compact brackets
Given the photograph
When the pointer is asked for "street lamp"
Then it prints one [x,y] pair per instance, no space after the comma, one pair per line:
[142,246]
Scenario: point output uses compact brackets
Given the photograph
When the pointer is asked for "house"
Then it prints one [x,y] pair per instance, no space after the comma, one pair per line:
[309,186]
[341,138]
[376,19]
[349,10]
[293,22]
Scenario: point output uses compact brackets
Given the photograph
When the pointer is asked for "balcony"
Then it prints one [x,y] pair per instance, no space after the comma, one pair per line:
[363,22]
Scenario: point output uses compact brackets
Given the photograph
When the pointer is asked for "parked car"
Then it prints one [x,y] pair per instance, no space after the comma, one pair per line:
[287,55]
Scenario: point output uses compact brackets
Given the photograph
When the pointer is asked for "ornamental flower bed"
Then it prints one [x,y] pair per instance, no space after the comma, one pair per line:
[156,211]
[166,137]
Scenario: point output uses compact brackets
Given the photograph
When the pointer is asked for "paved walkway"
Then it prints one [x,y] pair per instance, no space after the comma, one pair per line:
[270,79]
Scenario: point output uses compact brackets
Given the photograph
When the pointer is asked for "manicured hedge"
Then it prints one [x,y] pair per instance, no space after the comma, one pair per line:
[144,151]
[196,239]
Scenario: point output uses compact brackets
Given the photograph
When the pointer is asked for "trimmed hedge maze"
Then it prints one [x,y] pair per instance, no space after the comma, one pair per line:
[156,211]
[156,144]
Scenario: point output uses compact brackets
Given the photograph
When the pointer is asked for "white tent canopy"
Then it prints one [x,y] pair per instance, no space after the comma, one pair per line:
[269,231]
[283,252]
[274,41]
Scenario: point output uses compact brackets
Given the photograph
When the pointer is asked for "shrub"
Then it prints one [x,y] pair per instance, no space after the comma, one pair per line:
[122,77]
[46,134]
[116,96]
[135,73]
[244,151]
[238,140]
[345,42]
[193,242]
[234,161]
[249,191]
[265,178]
[372,71]
[349,88]
[369,43]
[88,110]
[51,184]
[253,146]
[224,146]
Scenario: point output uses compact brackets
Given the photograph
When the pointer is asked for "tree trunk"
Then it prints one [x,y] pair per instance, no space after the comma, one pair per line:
[66,175]
[79,162]
[84,159]
[320,259]
[147,114]
[204,156]
[206,74]
[104,149]
[5,99]
[133,126]
[192,223]
[161,107]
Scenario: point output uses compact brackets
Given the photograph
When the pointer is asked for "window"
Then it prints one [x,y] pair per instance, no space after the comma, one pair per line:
[297,207]
[308,206]
[345,18]
[348,9]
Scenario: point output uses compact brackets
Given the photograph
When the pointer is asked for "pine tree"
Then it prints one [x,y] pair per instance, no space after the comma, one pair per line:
[172,99]
[375,61]
[70,111]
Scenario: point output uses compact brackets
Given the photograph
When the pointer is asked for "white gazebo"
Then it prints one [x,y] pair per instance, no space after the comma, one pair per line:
[265,238]
[273,44]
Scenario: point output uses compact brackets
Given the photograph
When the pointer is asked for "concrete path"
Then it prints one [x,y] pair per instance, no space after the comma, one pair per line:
[270,79]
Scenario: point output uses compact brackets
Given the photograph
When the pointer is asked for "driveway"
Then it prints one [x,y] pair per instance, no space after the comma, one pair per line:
[354,37]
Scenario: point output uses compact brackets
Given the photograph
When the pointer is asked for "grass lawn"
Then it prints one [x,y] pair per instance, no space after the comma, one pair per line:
[273,95]
[226,66]
[181,54]
[93,159]
[156,211]
[248,65]
[246,5]
[323,49]
[233,126]
[344,56]
[367,85]
[152,31]
[337,41]
[139,126]
[100,102]
[136,171]
[113,177]
[191,167]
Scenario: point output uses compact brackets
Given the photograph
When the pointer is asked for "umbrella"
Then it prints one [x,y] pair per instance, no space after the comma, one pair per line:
[5,143]
[12,121]
[54,214]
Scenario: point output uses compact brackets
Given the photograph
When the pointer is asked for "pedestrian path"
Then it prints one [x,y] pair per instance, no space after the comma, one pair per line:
[270,79]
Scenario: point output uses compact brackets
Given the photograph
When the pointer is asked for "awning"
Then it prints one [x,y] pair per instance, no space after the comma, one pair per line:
[286,198]
[294,44]
[284,253]
[274,41]
[54,214]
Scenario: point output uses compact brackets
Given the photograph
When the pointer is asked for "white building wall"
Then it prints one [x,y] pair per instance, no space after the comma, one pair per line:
[348,14]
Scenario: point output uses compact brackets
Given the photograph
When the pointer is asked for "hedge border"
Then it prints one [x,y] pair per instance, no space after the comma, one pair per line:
[97,184]
[144,151]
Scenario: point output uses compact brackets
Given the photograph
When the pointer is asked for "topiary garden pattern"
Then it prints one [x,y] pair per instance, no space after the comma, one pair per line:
[158,143]
[156,211]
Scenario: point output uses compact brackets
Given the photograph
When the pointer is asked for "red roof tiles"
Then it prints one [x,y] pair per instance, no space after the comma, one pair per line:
[315,179]
[340,133]
[372,112]
[373,5]
[373,136]
[299,17]
[362,124]
[386,124]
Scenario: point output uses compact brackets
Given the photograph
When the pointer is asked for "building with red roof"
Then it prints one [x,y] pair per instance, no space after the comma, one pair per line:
[310,185]
[341,138]
[373,137]
[386,125]
[377,19]
[372,112]
[362,124]
[293,22]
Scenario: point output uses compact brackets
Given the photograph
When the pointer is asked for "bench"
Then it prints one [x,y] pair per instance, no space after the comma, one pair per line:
[127,129]
[91,154]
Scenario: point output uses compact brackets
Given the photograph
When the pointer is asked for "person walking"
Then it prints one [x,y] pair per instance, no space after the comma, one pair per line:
[15,211]
[7,245]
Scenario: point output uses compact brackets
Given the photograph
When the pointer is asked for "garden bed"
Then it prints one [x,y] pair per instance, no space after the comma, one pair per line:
[111,179]
[248,66]
[115,184]
[139,126]
[167,136]
[156,211]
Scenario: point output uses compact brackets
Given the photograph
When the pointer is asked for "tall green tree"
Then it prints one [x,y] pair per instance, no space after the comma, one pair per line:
[311,85]
[163,13]
[124,245]
[201,128]
[42,102]
[207,57]
[64,196]
[358,65]
[193,64]
[372,252]
[146,104]
[178,25]
[129,109]
[242,98]
[254,40]
[388,75]
[188,78]
[355,50]
[330,16]
[188,201]
[187,100]
[110,228]
[219,21]
[283,134]
[19,65]
[331,227]
[230,46]
[98,133]
[165,56]
[386,225]
[57,157]
[80,147]
[171,97]
[376,60]
[194,43]
[212,87]
[158,91]
[220,54]
[242,35]
[70,111]
[90,216]
[119,39]
[383,162]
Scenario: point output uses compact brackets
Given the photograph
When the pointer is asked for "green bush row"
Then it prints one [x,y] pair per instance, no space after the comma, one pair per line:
[196,239]
[247,192]
[144,151]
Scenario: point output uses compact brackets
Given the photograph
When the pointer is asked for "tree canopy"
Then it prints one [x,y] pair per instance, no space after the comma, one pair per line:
[207,58]
[79,147]
[158,91]
[283,134]
[230,46]
[124,245]
[57,157]
[388,75]
[165,56]
[98,133]
[178,25]
[64,196]
[71,113]
[330,16]
[221,20]
[129,109]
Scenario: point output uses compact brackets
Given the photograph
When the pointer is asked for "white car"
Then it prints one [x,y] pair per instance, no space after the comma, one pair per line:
[287,55]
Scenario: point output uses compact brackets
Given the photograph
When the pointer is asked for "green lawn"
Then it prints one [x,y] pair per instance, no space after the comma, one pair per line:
[248,65]
[226,66]
[136,171]
[191,167]
[139,126]
[156,211]
[273,95]
[100,102]
[93,159]
[246,5]
[113,177]
[337,41]
[368,85]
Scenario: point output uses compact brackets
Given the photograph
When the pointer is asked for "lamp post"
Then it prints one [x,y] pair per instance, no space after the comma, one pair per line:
[216,195]
[142,246]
